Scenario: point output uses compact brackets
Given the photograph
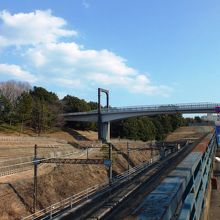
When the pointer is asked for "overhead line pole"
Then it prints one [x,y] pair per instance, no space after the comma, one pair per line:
[110,165]
[35,179]
[99,114]
[74,161]
[104,128]
[128,153]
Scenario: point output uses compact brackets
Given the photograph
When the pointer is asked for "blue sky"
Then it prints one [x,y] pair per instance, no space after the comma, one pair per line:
[144,51]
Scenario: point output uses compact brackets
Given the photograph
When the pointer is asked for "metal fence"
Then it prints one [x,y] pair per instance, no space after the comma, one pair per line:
[194,201]
[16,165]
[20,138]
[154,108]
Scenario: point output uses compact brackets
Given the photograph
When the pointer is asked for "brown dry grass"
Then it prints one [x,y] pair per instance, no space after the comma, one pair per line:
[58,182]
[188,133]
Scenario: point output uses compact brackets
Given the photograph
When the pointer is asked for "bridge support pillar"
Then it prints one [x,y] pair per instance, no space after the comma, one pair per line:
[103,127]
[105,132]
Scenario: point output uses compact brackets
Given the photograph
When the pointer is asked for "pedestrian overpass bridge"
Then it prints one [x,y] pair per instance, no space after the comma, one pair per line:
[106,115]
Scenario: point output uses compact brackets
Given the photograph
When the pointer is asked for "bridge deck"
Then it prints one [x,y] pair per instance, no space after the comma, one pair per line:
[113,113]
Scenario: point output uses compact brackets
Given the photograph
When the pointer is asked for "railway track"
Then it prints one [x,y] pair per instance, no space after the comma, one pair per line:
[162,170]
[28,164]
[113,201]
[117,200]
[14,171]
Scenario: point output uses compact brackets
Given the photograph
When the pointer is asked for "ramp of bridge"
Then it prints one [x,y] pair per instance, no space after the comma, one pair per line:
[116,113]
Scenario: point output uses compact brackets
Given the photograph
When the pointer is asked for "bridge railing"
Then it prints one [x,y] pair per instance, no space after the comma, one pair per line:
[168,107]
[155,108]
[194,202]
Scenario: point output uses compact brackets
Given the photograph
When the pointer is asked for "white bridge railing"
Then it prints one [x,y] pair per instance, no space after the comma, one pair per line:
[211,107]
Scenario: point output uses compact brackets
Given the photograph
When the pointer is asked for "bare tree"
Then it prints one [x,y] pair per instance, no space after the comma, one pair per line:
[13,89]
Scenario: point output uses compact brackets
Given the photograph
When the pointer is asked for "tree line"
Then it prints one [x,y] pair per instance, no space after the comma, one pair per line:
[41,110]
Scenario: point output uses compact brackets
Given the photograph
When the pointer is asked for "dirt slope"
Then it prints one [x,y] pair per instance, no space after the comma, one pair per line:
[57,182]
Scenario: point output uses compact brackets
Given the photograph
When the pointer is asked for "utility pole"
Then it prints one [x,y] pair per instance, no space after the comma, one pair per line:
[128,154]
[110,166]
[35,179]
[99,115]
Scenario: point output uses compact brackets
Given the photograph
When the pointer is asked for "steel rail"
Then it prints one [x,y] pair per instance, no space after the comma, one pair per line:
[74,161]
[14,168]
[42,159]
[30,156]
[133,199]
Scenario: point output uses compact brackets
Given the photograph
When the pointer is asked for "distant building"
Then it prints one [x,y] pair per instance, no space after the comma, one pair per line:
[216,119]
[211,117]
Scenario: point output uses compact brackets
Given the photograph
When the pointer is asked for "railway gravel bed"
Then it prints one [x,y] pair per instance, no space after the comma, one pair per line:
[119,201]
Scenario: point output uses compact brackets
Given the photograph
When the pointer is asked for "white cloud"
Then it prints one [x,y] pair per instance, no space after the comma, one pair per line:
[68,82]
[32,28]
[71,61]
[70,55]
[85,4]
[38,57]
[17,72]
[135,84]
[67,64]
